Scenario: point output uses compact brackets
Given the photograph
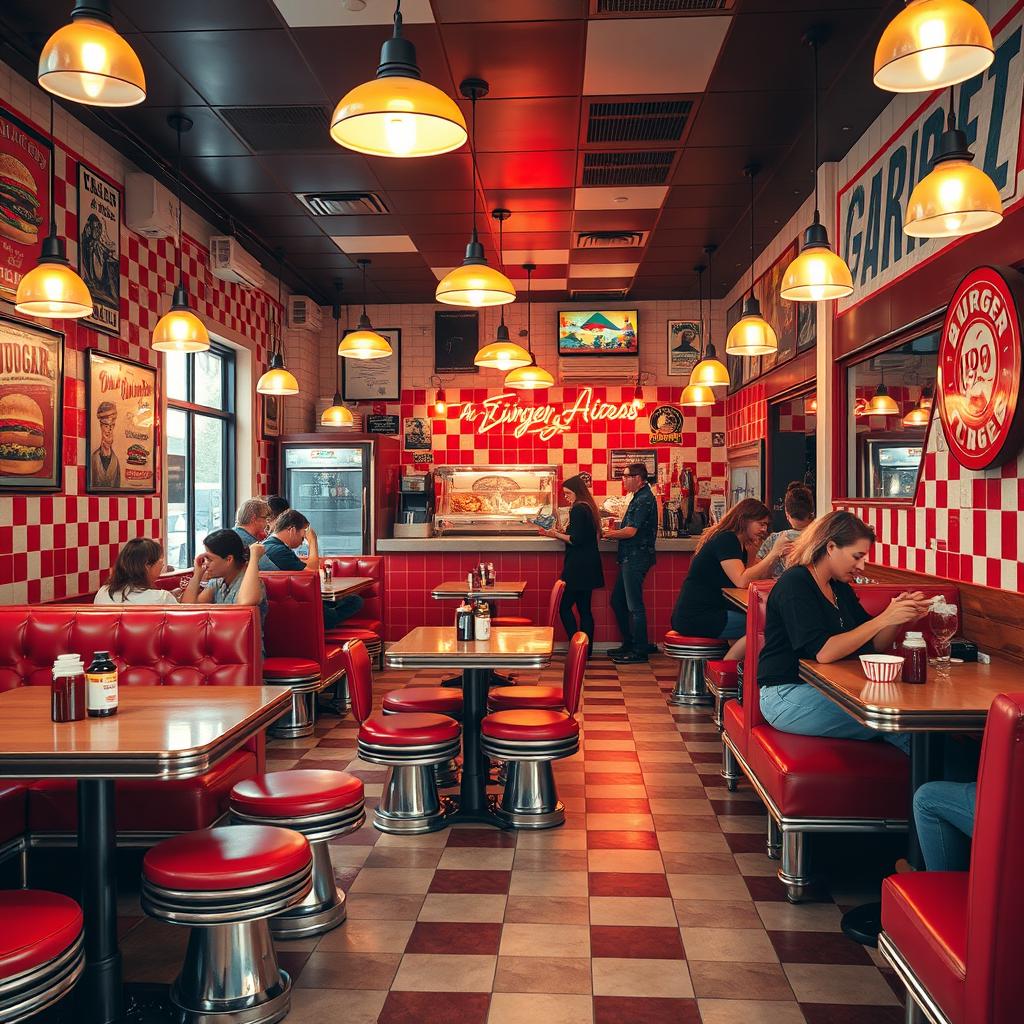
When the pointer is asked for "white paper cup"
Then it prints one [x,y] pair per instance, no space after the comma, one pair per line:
[882,668]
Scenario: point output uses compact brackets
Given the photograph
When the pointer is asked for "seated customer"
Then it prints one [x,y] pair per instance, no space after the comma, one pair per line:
[277,505]
[290,530]
[134,576]
[252,520]
[798,504]
[814,613]
[944,818]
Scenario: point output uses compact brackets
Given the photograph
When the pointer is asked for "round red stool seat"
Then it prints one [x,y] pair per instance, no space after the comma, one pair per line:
[414,730]
[35,928]
[341,634]
[510,698]
[440,700]
[293,794]
[222,859]
[528,724]
[674,639]
[290,668]
[511,620]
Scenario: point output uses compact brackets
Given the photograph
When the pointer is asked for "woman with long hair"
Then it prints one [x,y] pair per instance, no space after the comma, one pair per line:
[813,612]
[134,576]
[798,504]
[581,568]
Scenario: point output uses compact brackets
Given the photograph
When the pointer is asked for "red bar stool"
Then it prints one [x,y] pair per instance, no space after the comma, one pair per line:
[41,951]
[302,675]
[226,883]
[437,700]
[409,744]
[322,805]
[693,653]
[722,679]
[541,697]
[529,739]
[519,620]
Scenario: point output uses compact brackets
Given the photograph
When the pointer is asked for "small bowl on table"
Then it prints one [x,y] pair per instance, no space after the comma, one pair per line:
[882,668]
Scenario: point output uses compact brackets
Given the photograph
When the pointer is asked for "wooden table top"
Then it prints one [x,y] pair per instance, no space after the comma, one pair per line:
[342,586]
[438,647]
[159,732]
[506,590]
[959,704]
[738,596]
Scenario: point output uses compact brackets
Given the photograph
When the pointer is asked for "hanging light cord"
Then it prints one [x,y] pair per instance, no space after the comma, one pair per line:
[700,310]
[181,282]
[950,120]
[472,153]
[751,235]
[707,348]
[501,241]
[814,48]
[53,160]
[529,311]
[279,312]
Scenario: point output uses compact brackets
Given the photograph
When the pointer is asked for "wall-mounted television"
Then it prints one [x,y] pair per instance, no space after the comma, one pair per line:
[603,332]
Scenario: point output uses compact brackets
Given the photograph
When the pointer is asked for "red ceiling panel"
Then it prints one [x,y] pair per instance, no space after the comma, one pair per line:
[525,125]
[614,220]
[515,240]
[430,201]
[527,170]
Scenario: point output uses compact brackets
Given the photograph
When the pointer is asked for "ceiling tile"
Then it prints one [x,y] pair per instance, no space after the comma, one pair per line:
[315,172]
[450,171]
[266,204]
[718,218]
[602,269]
[537,239]
[226,174]
[719,194]
[625,255]
[209,135]
[536,256]
[199,15]
[614,220]
[373,243]
[550,284]
[521,200]
[524,10]
[302,13]
[165,83]
[761,117]
[645,197]
[541,220]
[708,165]
[281,238]
[527,170]
[425,202]
[526,125]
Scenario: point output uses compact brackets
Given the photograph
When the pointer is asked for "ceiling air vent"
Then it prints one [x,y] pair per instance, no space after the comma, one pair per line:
[280,129]
[627,169]
[613,7]
[342,204]
[610,239]
[607,293]
[637,120]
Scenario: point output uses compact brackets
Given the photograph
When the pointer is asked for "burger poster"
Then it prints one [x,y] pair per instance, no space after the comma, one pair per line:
[99,247]
[25,156]
[120,429]
[31,388]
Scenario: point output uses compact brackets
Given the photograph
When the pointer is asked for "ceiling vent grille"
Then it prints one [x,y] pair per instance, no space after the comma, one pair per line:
[280,129]
[627,169]
[606,293]
[638,121]
[610,239]
[658,6]
[342,204]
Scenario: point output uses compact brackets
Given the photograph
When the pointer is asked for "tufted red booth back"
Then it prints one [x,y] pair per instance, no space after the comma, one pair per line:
[363,565]
[195,645]
[294,627]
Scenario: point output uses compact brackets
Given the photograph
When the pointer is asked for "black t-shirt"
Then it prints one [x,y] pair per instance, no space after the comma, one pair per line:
[701,606]
[799,621]
[581,569]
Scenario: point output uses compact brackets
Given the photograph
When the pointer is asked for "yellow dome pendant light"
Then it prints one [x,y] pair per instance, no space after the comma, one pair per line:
[180,330]
[503,353]
[397,114]
[817,274]
[751,335]
[881,402]
[954,198]
[931,44]
[921,414]
[277,381]
[710,372]
[530,377]
[364,342]
[337,414]
[696,396]
[89,62]
[475,283]
[51,289]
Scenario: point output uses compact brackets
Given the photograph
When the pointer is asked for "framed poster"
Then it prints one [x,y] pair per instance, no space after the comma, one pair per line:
[120,425]
[456,340]
[601,332]
[684,342]
[99,247]
[31,406]
[417,433]
[374,380]
[270,417]
[806,325]
[25,156]
[620,458]
[780,313]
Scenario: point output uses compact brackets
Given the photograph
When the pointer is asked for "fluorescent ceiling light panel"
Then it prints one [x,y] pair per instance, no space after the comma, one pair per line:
[369,244]
[643,197]
[603,270]
[538,256]
[312,13]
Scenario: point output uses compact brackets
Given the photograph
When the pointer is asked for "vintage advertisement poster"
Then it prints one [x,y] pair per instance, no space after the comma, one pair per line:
[271,417]
[31,404]
[120,426]
[25,156]
[99,247]
[418,434]
[684,341]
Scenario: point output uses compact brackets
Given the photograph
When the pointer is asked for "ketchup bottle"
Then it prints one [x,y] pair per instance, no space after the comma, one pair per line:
[915,658]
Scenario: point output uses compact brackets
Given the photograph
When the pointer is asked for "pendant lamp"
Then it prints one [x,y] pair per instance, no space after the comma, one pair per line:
[921,414]
[51,289]
[954,198]
[931,44]
[751,335]
[475,283]
[502,353]
[180,330]
[811,407]
[277,380]
[398,114]
[698,395]
[89,62]
[364,342]
[440,404]
[531,377]
[817,274]
[881,402]
[710,371]
[337,414]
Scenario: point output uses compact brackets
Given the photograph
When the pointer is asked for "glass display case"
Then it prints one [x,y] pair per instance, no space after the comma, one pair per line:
[498,499]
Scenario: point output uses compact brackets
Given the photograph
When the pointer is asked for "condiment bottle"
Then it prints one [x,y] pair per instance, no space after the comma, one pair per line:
[915,658]
[482,621]
[67,690]
[101,685]
[464,621]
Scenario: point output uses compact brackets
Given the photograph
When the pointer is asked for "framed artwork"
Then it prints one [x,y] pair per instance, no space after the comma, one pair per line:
[99,247]
[602,332]
[270,417]
[374,380]
[418,434]
[456,340]
[684,342]
[806,326]
[781,314]
[31,406]
[120,425]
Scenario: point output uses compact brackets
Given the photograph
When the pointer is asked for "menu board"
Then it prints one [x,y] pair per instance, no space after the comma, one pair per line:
[620,458]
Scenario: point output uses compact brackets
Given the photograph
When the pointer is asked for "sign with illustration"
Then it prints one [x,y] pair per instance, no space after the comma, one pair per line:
[666,425]
[620,458]
[120,427]
[684,341]
[374,380]
[602,332]
[99,247]
[31,406]
[418,434]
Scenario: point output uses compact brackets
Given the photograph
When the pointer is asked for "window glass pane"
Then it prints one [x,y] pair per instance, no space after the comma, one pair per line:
[177,553]
[209,477]
[176,374]
[886,435]
[209,380]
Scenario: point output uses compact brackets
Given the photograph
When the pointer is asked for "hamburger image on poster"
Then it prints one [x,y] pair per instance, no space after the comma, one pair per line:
[19,202]
[22,440]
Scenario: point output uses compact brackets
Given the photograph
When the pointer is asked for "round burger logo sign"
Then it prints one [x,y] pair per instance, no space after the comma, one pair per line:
[980,368]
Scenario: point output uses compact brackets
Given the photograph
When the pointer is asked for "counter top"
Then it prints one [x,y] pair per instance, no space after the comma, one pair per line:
[498,543]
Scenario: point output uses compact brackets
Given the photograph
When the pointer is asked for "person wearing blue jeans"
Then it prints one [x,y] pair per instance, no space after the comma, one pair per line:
[944,818]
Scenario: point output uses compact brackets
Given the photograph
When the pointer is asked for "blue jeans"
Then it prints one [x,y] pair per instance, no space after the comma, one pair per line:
[800,708]
[944,816]
[336,612]
[735,625]
[627,603]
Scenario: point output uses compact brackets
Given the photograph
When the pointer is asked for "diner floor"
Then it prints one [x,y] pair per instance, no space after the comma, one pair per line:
[654,903]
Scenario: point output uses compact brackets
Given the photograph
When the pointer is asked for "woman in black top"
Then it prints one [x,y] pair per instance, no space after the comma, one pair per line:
[814,613]
[581,569]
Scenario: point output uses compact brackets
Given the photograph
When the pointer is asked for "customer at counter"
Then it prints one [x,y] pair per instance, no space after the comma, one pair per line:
[798,505]
[252,520]
[581,568]
[635,535]
[232,571]
[134,576]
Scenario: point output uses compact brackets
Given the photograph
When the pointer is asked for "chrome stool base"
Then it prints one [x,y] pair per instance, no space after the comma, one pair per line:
[530,798]
[300,721]
[321,910]
[410,804]
[690,689]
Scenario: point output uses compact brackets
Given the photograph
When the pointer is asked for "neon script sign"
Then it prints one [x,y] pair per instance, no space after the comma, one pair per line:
[546,421]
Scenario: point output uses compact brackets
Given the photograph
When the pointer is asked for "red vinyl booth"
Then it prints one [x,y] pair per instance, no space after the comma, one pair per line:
[954,937]
[813,783]
[153,646]
[371,616]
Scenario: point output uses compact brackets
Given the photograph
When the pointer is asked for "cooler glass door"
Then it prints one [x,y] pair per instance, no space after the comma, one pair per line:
[331,487]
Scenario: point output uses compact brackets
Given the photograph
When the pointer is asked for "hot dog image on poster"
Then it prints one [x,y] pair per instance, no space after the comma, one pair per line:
[121,404]
[99,247]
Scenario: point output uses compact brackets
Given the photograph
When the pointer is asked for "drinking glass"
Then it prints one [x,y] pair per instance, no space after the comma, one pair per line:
[943,623]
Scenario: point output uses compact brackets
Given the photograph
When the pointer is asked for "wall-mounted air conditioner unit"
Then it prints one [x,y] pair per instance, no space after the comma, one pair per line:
[304,314]
[599,371]
[149,209]
[230,262]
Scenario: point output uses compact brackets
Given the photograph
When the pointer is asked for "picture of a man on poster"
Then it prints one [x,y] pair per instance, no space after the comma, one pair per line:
[104,466]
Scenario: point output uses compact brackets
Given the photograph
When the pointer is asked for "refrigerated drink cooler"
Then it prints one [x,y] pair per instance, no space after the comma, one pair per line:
[891,468]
